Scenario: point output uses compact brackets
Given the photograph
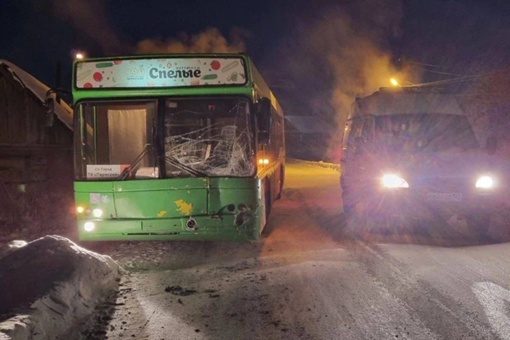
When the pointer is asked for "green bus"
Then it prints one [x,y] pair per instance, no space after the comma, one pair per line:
[175,147]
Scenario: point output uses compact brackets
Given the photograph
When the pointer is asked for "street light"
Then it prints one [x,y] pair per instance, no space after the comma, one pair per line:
[394,82]
[79,56]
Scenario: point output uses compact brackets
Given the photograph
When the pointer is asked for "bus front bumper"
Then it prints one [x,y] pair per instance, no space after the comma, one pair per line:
[199,228]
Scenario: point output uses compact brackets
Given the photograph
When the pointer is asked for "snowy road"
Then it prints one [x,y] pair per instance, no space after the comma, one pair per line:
[306,280]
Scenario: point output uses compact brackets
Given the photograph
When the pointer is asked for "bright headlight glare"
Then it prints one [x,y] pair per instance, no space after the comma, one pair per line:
[97,212]
[394,181]
[89,226]
[484,182]
[80,210]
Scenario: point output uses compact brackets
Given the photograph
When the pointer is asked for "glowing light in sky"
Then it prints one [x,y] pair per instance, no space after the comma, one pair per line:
[394,82]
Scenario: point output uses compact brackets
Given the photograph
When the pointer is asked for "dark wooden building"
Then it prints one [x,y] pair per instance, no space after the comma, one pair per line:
[35,159]
[307,137]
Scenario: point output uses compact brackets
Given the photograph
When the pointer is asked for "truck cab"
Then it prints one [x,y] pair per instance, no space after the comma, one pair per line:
[411,155]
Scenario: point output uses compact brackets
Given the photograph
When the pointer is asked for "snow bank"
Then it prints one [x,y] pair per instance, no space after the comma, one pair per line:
[322,164]
[50,287]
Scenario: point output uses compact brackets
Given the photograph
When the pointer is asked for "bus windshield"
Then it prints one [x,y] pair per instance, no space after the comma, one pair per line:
[212,137]
[198,137]
[115,137]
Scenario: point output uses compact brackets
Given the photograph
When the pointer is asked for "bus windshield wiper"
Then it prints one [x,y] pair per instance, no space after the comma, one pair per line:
[195,173]
[126,172]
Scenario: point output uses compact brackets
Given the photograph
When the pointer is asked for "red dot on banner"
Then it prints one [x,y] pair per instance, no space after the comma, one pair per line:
[88,85]
[215,65]
[117,62]
[98,76]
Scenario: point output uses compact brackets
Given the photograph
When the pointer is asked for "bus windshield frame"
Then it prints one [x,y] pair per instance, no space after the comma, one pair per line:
[165,138]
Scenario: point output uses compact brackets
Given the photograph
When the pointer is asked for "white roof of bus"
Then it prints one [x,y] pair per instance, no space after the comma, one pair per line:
[389,102]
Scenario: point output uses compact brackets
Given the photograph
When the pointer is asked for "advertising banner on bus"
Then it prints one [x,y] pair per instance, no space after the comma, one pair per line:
[160,72]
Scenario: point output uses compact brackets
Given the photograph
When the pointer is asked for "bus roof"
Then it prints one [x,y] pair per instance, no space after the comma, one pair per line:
[201,74]
[167,74]
[403,101]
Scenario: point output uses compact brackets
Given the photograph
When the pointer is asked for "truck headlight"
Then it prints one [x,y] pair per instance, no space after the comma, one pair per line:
[394,181]
[484,182]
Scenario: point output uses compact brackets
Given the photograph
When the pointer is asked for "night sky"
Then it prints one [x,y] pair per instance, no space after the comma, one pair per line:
[316,55]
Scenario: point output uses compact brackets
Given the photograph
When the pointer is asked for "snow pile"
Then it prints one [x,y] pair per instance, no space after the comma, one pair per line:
[12,246]
[50,287]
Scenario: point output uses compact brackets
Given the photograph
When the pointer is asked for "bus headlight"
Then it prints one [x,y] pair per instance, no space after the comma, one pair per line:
[484,182]
[89,226]
[394,181]
[97,213]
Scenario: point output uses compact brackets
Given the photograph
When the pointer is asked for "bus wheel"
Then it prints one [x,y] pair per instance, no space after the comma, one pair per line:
[282,181]
[268,199]
[265,229]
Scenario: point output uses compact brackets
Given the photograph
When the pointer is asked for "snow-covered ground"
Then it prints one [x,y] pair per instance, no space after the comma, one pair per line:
[304,280]
[50,288]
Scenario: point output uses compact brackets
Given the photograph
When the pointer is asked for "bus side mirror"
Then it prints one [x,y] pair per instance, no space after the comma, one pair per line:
[49,116]
[263,113]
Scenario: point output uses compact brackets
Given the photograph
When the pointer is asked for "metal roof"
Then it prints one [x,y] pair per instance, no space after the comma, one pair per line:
[387,102]
[62,110]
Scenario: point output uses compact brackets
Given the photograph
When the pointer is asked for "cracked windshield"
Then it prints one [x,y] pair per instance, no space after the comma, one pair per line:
[201,137]
[208,136]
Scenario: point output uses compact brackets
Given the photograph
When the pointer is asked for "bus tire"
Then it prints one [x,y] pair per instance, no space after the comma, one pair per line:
[268,199]
[281,183]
